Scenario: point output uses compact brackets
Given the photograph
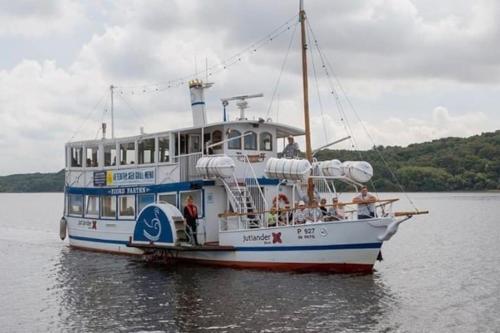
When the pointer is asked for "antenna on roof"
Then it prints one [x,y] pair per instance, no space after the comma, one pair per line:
[242,104]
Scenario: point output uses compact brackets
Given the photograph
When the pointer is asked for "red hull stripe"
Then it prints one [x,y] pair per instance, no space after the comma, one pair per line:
[299,267]
[268,266]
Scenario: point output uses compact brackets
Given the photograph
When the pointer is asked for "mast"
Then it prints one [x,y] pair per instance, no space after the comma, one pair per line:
[111,87]
[302,16]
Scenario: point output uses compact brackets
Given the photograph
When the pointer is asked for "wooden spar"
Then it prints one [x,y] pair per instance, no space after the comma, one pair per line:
[309,156]
[411,213]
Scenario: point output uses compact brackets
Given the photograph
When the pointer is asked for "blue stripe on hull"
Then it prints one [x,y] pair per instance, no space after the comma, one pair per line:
[312,247]
[98,240]
[260,248]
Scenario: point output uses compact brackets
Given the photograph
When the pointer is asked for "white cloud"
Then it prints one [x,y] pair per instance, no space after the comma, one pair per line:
[33,18]
[399,61]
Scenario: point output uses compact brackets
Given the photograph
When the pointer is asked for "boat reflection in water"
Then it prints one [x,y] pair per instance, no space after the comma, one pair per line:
[112,293]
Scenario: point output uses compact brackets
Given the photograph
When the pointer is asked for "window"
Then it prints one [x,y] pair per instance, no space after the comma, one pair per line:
[92,153]
[127,153]
[266,141]
[110,155]
[143,200]
[146,151]
[91,205]
[127,206]
[217,137]
[197,198]
[170,198]
[250,141]
[164,146]
[108,206]
[76,157]
[236,143]
[75,204]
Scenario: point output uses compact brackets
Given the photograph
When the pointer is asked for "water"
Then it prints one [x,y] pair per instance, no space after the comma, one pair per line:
[441,273]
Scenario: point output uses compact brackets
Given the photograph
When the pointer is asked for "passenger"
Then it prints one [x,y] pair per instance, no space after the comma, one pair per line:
[300,213]
[272,217]
[286,215]
[313,213]
[291,150]
[336,212]
[191,214]
[366,204]
[340,211]
[322,206]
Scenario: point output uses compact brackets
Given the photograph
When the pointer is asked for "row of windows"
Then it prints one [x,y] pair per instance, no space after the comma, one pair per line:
[123,153]
[154,150]
[250,140]
[124,206]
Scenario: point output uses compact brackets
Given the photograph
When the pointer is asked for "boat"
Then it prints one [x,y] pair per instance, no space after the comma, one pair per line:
[127,195]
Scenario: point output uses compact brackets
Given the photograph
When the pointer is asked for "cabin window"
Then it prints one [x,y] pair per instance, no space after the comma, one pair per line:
[92,153]
[236,142]
[146,151]
[197,196]
[110,155]
[127,206]
[91,206]
[217,137]
[76,157]
[164,145]
[108,204]
[266,141]
[143,200]
[250,141]
[127,153]
[170,198]
[75,204]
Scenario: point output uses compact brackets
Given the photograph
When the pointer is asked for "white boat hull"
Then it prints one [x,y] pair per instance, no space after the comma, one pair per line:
[340,246]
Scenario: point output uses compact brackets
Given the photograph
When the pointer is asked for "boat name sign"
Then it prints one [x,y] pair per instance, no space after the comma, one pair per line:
[124,177]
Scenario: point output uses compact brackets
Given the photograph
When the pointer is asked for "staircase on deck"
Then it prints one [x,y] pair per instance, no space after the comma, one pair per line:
[241,201]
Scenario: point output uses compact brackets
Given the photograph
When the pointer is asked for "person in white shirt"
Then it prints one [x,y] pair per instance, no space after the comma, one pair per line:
[291,150]
[300,214]
[366,204]
[313,213]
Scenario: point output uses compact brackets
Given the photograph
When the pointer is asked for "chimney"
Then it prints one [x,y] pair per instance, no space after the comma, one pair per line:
[196,87]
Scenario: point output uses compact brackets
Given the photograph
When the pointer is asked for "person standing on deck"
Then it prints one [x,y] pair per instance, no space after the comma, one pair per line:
[191,214]
[291,150]
[366,204]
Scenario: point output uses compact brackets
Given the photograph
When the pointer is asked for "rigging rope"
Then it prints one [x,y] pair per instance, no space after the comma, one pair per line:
[214,69]
[317,88]
[281,71]
[327,65]
[89,114]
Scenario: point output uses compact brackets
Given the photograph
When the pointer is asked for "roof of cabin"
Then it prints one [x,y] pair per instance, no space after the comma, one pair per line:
[282,130]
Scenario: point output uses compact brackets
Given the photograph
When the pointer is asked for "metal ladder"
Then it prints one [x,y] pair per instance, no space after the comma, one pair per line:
[242,202]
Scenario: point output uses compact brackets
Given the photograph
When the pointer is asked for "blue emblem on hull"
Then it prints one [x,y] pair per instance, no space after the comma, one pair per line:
[153,225]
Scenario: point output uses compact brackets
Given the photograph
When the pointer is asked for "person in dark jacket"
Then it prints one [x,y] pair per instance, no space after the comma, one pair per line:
[191,214]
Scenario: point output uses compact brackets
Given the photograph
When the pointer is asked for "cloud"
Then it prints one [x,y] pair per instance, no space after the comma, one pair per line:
[415,70]
[33,18]
[396,131]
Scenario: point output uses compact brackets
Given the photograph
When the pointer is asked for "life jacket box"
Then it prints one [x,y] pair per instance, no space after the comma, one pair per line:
[291,169]
[359,171]
[215,166]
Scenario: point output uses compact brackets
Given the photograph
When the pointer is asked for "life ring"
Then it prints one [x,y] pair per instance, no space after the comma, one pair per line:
[281,198]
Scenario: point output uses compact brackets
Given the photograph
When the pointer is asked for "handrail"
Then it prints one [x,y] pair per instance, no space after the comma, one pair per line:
[227,214]
[255,178]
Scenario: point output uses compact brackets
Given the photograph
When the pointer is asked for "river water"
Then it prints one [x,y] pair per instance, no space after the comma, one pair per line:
[441,273]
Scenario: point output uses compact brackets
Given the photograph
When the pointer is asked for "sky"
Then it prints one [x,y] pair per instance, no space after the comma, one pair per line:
[400,71]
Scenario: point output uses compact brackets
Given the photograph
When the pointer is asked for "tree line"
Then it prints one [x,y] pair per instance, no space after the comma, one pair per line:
[449,164]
